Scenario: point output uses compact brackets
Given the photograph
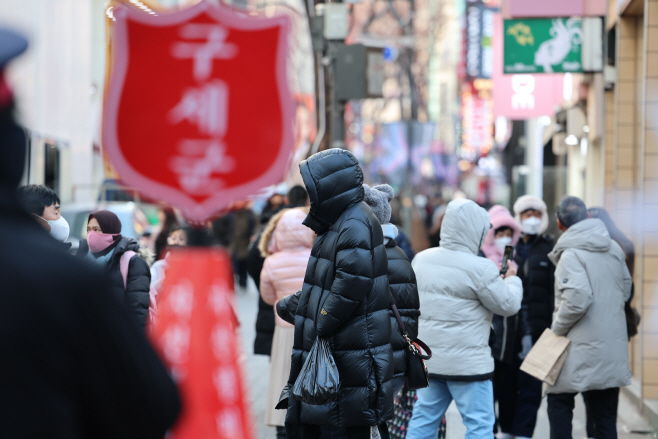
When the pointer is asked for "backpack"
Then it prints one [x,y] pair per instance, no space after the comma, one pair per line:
[153,293]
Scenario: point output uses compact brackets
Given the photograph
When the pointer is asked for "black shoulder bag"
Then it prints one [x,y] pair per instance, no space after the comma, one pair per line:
[417,375]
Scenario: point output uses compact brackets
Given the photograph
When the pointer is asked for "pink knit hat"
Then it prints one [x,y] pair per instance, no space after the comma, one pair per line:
[499,217]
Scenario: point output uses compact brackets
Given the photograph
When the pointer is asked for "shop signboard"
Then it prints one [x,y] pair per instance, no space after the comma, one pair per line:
[522,96]
[555,8]
[543,8]
[543,45]
[478,41]
[198,111]
[477,119]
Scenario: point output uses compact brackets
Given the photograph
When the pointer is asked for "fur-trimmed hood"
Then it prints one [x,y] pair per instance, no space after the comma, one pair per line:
[147,254]
[286,231]
[129,244]
[531,202]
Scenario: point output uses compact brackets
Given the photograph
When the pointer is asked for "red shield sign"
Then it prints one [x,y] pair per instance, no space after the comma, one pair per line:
[198,111]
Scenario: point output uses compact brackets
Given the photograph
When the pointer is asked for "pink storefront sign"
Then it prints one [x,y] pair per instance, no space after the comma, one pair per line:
[522,97]
[553,8]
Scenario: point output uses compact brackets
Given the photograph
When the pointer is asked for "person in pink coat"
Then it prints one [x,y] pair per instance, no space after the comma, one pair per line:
[286,246]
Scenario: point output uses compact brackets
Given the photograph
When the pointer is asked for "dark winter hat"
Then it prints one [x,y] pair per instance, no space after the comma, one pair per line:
[12,136]
[379,198]
[108,221]
[12,44]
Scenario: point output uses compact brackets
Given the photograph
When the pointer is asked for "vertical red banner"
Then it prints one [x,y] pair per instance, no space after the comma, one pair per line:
[196,335]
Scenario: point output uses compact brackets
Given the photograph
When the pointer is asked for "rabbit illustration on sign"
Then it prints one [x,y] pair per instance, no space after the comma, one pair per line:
[555,50]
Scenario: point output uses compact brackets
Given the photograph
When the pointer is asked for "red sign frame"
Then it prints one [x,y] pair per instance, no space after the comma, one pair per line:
[228,157]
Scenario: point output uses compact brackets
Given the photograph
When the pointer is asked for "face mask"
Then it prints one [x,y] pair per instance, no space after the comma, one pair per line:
[530,226]
[390,231]
[59,228]
[501,243]
[99,241]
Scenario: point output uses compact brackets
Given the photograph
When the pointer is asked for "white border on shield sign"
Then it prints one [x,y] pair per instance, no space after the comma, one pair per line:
[191,209]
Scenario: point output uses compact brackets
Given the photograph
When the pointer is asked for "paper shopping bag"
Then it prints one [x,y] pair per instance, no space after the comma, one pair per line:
[546,358]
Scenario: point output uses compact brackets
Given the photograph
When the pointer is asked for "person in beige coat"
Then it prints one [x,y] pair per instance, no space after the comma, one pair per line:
[286,246]
[592,283]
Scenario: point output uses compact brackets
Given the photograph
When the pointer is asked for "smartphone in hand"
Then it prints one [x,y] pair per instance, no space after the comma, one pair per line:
[506,257]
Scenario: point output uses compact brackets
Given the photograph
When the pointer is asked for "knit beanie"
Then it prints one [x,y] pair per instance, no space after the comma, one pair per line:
[378,198]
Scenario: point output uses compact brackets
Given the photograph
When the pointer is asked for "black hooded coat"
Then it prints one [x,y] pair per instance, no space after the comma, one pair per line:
[136,295]
[345,297]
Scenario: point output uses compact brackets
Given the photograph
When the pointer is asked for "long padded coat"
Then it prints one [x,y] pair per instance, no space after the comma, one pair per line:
[288,245]
[538,277]
[345,297]
[592,283]
[402,280]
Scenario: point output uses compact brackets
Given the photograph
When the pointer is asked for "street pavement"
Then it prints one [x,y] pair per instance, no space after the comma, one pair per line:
[257,369]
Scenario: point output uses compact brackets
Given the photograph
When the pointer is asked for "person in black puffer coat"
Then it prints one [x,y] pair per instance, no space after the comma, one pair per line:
[346,299]
[401,280]
[105,246]
[535,269]
[521,393]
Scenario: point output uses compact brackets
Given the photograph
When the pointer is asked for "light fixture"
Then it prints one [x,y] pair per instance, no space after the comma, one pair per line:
[586,129]
[571,140]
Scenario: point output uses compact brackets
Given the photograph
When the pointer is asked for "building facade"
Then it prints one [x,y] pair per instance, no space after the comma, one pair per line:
[631,172]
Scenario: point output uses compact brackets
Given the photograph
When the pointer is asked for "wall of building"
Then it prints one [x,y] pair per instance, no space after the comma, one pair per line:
[631,171]
[648,166]
[58,83]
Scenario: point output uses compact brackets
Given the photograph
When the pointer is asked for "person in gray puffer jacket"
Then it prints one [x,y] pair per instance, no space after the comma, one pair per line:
[592,283]
[459,293]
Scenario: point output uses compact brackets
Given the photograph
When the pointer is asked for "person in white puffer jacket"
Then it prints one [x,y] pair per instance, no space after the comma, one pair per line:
[459,293]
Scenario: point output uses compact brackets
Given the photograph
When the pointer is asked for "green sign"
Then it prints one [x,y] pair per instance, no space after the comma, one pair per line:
[543,45]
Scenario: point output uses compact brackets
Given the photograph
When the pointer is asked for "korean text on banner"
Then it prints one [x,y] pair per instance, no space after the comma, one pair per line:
[196,335]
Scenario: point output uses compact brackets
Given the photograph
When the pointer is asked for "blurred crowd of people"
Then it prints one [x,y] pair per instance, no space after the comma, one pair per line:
[480,324]
[330,265]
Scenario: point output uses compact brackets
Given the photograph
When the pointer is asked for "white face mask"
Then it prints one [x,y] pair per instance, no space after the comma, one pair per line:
[530,226]
[59,228]
[503,242]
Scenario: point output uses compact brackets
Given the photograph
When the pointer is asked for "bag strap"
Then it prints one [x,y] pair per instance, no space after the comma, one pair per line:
[405,334]
[123,266]
[403,328]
